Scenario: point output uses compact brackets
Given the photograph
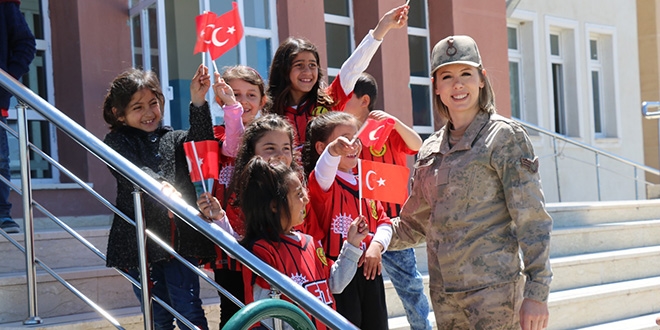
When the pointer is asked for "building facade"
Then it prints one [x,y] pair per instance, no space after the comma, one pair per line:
[82,45]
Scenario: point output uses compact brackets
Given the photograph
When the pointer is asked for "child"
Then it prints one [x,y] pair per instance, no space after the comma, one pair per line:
[133,109]
[269,136]
[296,81]
[275,205]
[401,266]
[333,154]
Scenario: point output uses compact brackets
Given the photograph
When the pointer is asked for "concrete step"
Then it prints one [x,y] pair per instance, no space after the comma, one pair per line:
[567,241]
[604,267]
[594,305]
[56,248]
[646,322]
[574,214]
[103,285]
[130,318]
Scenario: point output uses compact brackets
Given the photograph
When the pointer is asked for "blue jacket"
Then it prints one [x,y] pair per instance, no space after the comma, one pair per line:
[17,44]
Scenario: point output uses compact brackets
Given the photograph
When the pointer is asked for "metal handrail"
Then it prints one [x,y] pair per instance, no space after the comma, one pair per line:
[650,115]
[214,233]
[598,152]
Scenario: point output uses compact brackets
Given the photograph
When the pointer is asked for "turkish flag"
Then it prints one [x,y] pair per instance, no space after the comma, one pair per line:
[202,158]
[384,182]
[375,133]
[205,25]
[226,33]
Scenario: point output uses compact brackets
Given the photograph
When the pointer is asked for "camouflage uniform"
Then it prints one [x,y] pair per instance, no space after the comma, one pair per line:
[476,205]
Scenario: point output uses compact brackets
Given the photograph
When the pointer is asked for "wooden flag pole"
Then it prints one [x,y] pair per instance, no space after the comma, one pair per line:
[360,185]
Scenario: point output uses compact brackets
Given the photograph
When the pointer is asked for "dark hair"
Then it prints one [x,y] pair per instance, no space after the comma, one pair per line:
[486,97]
[366,85]
[249,75]
[121,91]
[279,83]
[320,129]
[265,185]
[253,133]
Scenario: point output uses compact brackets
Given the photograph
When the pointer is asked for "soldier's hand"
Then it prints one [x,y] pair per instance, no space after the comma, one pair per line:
[533,315]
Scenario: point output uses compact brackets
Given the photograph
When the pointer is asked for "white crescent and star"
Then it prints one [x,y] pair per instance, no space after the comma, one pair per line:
[214,35]
[372,134]
[381,181]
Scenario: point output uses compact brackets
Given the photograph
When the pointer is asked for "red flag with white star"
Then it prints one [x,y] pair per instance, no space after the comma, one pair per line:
[384,182]
[375,133]
[227,32]
[202,158]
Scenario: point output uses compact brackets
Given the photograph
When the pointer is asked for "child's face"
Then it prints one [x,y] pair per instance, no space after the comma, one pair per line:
[304,74]
[275,145]
[348,162]
[297,199]
[458,86]
[143,111]
[250,98]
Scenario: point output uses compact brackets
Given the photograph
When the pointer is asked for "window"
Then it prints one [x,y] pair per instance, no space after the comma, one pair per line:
[420,78]
[338,33]
[563,73]
[514,72]
[602,90]
[40,80]
[260,39]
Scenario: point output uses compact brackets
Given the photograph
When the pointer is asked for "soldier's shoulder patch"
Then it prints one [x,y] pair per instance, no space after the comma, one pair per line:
[531,165]
[321,255]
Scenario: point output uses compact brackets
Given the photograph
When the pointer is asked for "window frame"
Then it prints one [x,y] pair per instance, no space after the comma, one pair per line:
[424,130]
[609,80]
[348,21]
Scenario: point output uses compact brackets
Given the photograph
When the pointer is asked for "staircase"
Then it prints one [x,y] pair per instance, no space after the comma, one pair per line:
[605,258]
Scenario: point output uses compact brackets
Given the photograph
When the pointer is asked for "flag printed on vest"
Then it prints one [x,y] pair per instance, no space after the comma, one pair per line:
[218,34]
[374,133]
[384,182]
[202,158]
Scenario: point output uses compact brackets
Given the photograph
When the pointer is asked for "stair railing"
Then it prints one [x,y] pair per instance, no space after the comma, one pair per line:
[597,152]
[142,183]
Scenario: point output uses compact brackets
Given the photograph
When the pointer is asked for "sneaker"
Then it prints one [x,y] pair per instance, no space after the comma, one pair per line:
[9,226]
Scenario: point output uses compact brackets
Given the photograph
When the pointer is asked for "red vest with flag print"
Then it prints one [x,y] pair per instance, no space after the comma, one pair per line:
[334,211]
[303,261]
[300,117]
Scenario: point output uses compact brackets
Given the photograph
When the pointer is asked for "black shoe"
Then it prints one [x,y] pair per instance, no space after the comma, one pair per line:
[9,226]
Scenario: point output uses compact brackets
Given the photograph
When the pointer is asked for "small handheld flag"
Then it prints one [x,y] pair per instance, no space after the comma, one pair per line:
[384,182]
[218,34]
[203,166]
[375,133]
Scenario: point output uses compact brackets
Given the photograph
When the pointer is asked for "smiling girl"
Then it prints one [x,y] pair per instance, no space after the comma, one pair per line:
[133,109]
[296,83]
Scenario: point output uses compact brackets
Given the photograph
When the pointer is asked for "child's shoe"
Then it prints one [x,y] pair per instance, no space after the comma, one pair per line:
[9,226]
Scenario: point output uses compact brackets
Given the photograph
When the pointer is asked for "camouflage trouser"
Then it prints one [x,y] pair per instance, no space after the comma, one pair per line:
[493,307]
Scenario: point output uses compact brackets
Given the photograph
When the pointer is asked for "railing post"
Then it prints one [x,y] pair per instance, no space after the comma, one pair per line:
[30,265]
[140,229]
[598,175]
[275,294]
[554,146]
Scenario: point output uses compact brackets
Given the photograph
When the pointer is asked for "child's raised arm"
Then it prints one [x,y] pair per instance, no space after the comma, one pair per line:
[396,18]
[199,85]
[361,57]
[234,128]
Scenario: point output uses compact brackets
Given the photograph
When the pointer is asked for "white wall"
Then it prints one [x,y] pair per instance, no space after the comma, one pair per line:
[615,24]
